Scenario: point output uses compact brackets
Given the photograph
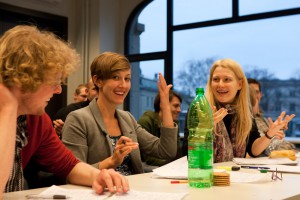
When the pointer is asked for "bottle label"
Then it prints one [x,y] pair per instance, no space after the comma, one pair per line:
[200,155]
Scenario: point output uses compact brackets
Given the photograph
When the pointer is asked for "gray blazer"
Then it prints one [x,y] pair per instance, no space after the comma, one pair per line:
[85,134]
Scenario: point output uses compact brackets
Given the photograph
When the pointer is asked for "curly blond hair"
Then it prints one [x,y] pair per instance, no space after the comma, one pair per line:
[30,57]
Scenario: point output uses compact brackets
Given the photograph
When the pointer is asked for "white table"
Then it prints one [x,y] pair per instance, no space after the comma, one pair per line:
[288,187]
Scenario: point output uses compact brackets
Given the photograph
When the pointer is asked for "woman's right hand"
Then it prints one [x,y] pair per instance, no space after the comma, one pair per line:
[218,115]
[123,147]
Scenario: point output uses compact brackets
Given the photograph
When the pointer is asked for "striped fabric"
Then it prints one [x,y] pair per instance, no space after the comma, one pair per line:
[16,178]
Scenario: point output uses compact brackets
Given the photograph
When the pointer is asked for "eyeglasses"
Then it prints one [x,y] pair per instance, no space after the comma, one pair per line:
[55,84]
[276,175]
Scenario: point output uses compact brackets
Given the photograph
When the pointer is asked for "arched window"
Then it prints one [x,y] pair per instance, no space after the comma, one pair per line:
[183,38]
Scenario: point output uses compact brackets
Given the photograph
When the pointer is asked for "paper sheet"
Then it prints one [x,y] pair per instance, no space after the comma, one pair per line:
[249,177]
[264,161]
[177,169]
[82,194]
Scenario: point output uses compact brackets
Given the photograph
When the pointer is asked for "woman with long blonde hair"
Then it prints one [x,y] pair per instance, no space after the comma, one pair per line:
[235,131]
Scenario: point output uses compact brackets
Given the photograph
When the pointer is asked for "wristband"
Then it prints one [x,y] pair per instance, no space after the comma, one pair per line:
[267,136]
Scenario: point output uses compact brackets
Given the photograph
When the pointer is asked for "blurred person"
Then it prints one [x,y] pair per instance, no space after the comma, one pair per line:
[235,131]
[151,121]
[263,124]
[33,65]
[253,99]
[62,113]
[81,93]
[107,137]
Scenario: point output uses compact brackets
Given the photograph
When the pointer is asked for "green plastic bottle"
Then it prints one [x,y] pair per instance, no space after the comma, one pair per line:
[200,142]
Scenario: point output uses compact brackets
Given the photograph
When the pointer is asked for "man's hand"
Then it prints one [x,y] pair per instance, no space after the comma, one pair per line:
[112,180]
[58,125]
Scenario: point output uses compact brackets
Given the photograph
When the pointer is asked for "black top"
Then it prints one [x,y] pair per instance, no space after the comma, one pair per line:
[64,111]
[254,134]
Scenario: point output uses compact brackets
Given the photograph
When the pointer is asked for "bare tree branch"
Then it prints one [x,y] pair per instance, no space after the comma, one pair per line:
[194,74]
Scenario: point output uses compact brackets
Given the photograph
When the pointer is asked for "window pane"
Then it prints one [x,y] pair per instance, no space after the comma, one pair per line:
[154,19]
[272,44]
[190,11]
[144,89]
[144,85]
[247,7]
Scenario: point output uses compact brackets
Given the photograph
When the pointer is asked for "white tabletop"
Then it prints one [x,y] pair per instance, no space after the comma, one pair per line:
[288,187]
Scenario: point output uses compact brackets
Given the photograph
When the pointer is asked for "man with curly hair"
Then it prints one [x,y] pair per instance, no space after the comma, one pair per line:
[33,64]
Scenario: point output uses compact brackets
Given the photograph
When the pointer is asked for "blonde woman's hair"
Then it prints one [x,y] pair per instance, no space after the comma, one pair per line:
[242,100]
[105,64]
[30,57]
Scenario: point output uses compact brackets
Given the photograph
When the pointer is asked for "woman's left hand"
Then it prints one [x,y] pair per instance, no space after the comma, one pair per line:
[277,127]
[165,108]
[163,89]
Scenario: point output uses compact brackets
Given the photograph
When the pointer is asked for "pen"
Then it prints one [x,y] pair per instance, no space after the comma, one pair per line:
[254,167]
[43,196]
[181,181]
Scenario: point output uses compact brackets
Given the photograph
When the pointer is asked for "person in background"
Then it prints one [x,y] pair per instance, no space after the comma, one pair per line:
[235,131]
[263,124]
[151,121]
[33,65]
[62,113]
[253,99]
[107,137]
[81,93]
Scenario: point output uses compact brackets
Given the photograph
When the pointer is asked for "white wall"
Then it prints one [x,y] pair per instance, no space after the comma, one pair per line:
[95,26]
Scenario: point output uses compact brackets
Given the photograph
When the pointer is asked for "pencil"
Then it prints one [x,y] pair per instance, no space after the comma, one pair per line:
[180,181]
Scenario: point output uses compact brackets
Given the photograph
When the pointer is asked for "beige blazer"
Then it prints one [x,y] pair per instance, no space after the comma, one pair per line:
[85,134]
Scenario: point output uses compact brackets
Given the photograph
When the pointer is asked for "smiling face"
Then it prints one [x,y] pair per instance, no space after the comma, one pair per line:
[175,107]
[225,85]
[115,89]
